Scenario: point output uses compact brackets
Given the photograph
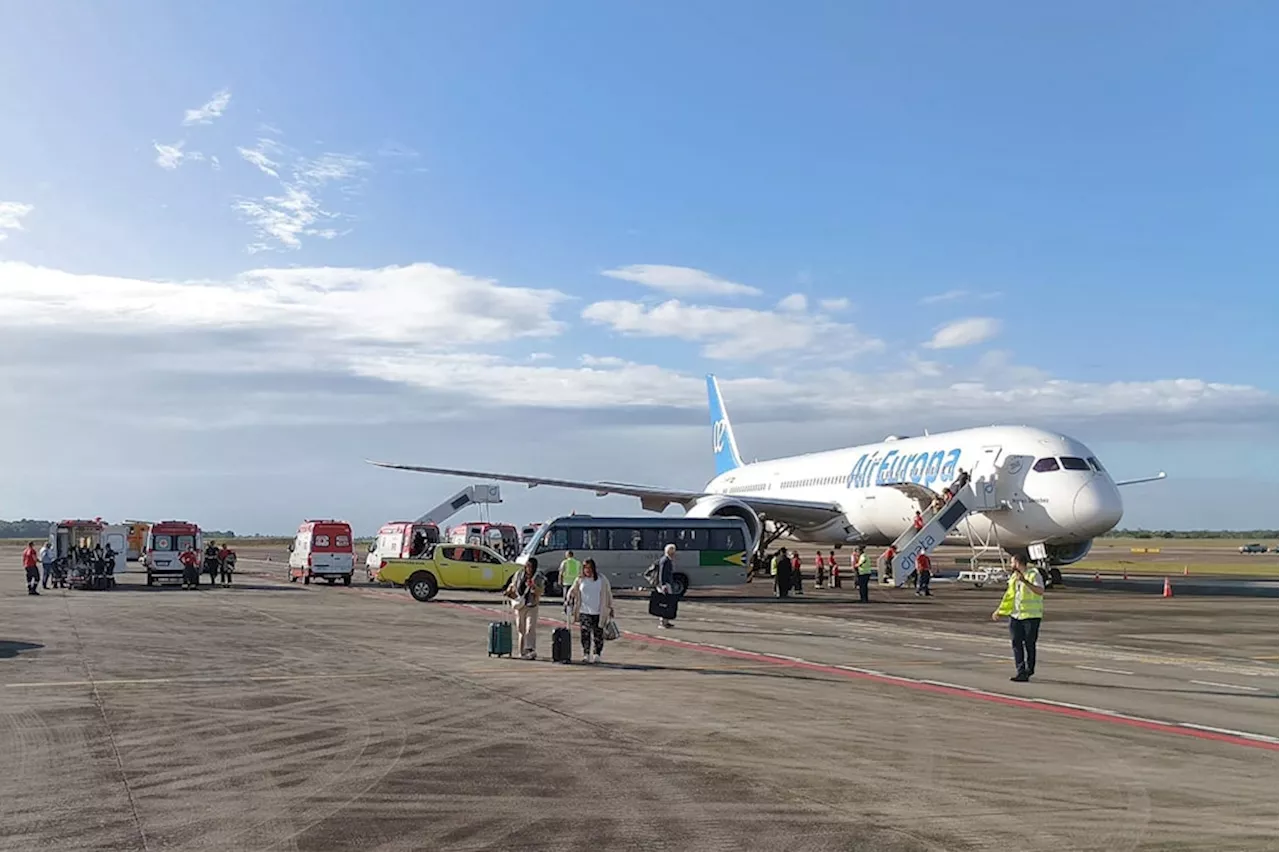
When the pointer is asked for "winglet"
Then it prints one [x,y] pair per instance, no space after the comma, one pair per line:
[723,443]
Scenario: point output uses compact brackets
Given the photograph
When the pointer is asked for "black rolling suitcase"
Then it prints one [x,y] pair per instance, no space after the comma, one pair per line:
[561,645]
[662,606]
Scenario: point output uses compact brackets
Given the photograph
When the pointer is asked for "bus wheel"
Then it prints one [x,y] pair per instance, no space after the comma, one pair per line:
[423,586]
[679,585]
[346,579]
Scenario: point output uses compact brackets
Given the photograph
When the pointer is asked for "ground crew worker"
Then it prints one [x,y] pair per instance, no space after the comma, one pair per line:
[924,570]
[48,559]
[570,570]
[31,564]
[884,562]
[795,572]
[1023,602]
[819,571]
[226,564]
[780,568]
[190,568]
[211,562]
[835,571]
[863,566]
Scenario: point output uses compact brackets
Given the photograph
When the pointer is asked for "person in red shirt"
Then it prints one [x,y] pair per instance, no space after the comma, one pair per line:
[31,562]
[226,564]
[795,572]
[190,569]
[924,570]
[918,521]
[819,570]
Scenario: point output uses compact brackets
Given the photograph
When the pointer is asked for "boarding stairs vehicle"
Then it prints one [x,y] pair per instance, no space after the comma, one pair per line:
[481,495]
[977,496]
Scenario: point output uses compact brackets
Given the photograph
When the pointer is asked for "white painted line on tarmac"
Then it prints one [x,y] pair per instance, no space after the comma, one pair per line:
[994,656]
[1104,671]
[1262,738]
[1226,685]
[922,647]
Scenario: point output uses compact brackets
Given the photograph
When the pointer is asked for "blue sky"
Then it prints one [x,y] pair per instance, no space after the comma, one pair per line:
[296,235]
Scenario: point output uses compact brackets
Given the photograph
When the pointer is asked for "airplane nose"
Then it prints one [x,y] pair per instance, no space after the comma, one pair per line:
[1097,507]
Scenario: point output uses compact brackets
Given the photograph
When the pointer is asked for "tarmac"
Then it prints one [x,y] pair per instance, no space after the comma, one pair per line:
[278,716]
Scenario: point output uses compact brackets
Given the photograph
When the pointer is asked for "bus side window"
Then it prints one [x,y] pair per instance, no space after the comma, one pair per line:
[624,539]
[725,539]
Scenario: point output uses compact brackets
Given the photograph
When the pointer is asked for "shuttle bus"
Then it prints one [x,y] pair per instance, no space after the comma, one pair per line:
[709,551]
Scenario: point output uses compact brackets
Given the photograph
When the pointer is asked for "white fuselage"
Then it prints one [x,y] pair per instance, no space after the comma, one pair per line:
[1055,504]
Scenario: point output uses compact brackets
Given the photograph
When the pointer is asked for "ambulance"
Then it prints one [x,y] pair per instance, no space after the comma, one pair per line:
[166,541]
[322,550]
[503,538]
[400,540]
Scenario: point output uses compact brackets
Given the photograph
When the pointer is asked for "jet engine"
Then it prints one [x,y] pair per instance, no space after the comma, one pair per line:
[1062,554]
[727,507]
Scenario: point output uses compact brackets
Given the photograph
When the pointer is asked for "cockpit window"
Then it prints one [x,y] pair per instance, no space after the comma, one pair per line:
[1097,465]
[1045,465]
[1074,463]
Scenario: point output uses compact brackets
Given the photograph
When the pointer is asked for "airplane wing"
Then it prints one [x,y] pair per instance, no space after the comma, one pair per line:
[1159,476]
[800,512]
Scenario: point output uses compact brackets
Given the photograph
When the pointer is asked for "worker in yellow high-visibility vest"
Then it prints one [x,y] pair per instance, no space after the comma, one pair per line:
[1023,602]
[570,570]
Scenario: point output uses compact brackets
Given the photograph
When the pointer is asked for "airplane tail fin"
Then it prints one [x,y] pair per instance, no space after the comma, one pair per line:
[722,440]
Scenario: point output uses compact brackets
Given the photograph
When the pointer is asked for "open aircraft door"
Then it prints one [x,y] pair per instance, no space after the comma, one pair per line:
[984,477]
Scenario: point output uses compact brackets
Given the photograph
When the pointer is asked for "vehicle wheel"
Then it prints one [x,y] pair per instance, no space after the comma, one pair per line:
[331,580]
[679,584]
[1055,576]
[346,579]
[306,579]
[422,586]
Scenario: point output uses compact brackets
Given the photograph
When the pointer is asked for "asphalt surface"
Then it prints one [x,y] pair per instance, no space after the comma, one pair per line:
[276,716]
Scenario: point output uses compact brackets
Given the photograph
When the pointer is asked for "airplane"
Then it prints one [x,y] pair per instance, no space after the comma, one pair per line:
[1026,491]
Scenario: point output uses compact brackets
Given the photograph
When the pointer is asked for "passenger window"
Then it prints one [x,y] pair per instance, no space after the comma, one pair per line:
[1045,465]
[1074,463]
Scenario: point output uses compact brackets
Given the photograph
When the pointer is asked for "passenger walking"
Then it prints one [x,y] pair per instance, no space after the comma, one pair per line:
[819,571]
[226,564]
[863,567]
[835,570]
[190,568]
[1023,602]
[918,522]
[795,572]
[924,570]
[666,576]
[211,566]
[31,563]
[884,562]
[525,592]
[48,559]
[780,568]
[591,600]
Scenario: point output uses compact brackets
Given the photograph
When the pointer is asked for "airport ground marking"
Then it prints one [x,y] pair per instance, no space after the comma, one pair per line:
[1104,671]
[1061,708]
[1227,685]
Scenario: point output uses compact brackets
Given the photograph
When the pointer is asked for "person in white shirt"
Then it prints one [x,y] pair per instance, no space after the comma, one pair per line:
[591,600]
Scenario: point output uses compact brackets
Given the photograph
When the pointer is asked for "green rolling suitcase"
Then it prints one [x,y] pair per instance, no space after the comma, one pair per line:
[500,638]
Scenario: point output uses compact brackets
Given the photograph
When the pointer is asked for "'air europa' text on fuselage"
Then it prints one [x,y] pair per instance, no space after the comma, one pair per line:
[922,468]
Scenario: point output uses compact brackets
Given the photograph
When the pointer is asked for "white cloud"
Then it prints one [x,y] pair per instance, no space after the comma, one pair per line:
[604,362]
[11,216]
[284,218]
[680,280]
[211,110]
[728,333]
[795,303]
[955,295]
[423,307]
[541,356]
[215,163]
[169,157]
[835,305]
[964,332]
[258,156]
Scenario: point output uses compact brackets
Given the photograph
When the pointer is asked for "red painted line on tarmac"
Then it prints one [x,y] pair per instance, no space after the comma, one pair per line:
[922,686]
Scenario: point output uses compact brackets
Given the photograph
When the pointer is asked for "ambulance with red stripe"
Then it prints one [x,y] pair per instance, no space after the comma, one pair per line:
[322,550]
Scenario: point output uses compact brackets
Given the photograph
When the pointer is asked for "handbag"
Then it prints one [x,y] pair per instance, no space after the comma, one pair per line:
[611,631]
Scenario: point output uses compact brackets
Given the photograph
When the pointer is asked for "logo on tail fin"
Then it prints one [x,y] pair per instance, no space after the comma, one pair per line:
[718,431]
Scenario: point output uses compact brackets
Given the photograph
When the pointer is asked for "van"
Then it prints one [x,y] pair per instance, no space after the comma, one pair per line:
[400,540]
[322,549]
[166,541]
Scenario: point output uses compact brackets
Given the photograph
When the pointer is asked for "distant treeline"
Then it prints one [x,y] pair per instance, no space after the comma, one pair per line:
[28,528]
[1193,534]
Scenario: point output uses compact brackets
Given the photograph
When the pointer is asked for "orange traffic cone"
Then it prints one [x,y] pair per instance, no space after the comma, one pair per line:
[1186,571]
[1168,589]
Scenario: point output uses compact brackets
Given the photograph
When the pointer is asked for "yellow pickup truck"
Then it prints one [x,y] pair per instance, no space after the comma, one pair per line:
[448,566]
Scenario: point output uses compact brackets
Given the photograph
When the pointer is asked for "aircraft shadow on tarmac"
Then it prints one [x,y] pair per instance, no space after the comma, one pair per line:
[12,649]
